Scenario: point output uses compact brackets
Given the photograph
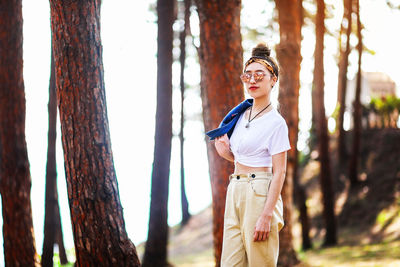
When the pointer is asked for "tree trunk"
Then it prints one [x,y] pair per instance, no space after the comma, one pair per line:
[15,179]
[221,62]
[313,140]
[342,84]
[301,199]
[300,196]
[325,176]
[52,221]
[289,57]
[353,167]
[182,36]
[156,246]
[96,212]
[60,240]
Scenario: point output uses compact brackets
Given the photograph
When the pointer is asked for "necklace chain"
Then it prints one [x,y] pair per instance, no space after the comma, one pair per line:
[251,108]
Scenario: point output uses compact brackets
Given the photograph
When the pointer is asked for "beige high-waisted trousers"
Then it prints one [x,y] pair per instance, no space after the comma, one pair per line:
[245,200]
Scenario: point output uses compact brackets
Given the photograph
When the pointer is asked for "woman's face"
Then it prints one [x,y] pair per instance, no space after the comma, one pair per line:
[261,80]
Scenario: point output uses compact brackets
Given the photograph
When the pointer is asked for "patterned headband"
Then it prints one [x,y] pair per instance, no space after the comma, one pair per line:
[263,62]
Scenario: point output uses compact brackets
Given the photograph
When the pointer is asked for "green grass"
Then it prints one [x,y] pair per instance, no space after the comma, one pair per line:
[382,254]
[70,256]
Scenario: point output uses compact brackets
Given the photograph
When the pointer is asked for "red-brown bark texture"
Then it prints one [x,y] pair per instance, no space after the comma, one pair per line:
[221,62]
[15,179]
[97,219]
[289,57]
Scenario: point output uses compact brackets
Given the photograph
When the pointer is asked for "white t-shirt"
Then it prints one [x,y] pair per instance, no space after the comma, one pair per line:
[267,135]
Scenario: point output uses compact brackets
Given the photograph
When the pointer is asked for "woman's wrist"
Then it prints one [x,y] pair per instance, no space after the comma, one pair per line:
[267,215]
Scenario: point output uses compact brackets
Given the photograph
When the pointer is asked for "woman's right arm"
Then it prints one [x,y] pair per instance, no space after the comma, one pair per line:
[223,148]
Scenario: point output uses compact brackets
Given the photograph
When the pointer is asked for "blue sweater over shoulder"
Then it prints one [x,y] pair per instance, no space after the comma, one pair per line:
[227,125]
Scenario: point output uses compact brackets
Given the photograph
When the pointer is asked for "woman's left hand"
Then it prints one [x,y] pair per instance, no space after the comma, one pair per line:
[262,228]
[223,147]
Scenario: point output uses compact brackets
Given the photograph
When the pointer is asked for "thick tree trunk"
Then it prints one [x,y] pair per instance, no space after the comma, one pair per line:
[289,57]
[156,246]
[182,37]
[325,176]
[342,84]
[52,221]
[353,167]
[221,62]
[15,179]
[96,213]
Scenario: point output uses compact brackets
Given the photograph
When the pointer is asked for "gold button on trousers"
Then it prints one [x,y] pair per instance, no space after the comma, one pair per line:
[245,200]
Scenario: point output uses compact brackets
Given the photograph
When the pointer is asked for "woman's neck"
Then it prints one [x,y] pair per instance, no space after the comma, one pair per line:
[260,103]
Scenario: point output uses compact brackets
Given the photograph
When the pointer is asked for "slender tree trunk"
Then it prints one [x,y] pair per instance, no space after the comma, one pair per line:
[182,37]
[60,241]
[221,62]
[300,196]
[51,198]
[96,212]
[353,167]
[15,179]
[156,246]
[325,176]
[342,84]
[289,57]
[52,221]
[313,140]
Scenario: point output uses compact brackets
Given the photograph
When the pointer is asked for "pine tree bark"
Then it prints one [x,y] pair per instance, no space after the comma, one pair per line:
[353,166]
[289,57]
[156,246]
[342,83]
[52,221]
[221,62]
[15,179]
[182,58]
[97,219]
[325,176]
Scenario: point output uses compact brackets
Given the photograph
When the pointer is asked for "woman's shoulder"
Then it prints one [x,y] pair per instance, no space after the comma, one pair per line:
[277,116]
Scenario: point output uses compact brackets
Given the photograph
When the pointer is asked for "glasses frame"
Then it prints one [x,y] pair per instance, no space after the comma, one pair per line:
[258,76]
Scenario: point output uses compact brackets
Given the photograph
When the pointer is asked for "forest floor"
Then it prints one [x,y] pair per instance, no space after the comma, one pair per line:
[368,216]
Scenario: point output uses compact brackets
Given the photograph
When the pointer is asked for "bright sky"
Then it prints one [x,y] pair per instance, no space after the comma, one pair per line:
[129,36]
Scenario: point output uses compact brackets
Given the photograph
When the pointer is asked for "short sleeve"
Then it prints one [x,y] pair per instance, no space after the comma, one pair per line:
[279,141]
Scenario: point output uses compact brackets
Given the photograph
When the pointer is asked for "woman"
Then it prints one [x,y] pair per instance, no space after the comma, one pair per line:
[254,136]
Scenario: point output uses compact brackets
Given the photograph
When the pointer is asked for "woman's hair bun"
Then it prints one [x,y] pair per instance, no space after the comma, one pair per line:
[261,50]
